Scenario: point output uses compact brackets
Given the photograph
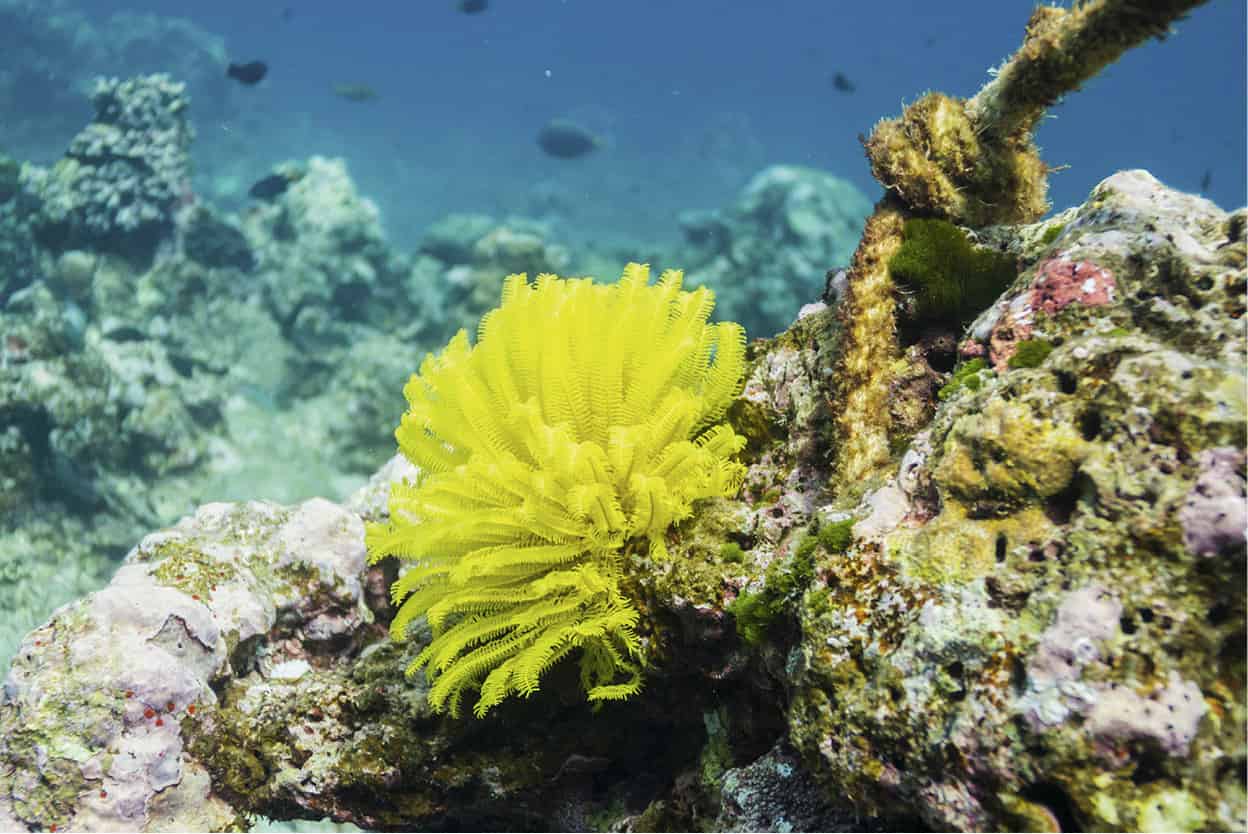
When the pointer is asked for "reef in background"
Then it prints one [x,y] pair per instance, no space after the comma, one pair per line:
[155,347]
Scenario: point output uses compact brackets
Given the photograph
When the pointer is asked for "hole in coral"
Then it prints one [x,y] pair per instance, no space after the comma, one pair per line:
[1219,613]
[1067,382]
[1149,765]
[1090,424]
[1002,544]
[1234,648]
[1051,796]
[1146,614]
[1127,623]
[1060,507]
[1018,676]
[940,359]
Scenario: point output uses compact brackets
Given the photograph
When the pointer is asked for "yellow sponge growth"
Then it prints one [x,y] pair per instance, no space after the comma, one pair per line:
[581,426]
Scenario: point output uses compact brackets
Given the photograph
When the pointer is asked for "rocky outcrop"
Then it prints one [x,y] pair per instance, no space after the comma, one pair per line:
[1041,621]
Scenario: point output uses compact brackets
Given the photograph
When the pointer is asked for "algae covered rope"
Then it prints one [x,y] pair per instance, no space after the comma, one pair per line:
[974,163]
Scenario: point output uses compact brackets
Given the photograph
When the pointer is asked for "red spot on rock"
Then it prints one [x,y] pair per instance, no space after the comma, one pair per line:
[1014,327]
[52,827]
[194,596]
[170,707]
[103,794]
[190,709]
[129,693]
[1060,282]
[160,722]
[149,712]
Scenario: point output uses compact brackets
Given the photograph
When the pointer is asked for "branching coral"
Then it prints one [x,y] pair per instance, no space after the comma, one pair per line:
[579,428]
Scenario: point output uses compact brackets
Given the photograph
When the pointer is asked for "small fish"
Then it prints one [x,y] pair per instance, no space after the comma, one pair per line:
[1206,181]
[273,186]
[472,6]
[252,72]
[566,140]
[355,92]
[842,83]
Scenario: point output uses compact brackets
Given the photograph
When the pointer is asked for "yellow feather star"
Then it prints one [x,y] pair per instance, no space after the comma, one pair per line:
[586,417]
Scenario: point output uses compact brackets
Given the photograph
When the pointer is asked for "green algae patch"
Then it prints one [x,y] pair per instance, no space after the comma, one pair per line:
[756,613]
[951,278]
[836,536]
[1051,233]
[1030,353]
[785,581]
[965,376]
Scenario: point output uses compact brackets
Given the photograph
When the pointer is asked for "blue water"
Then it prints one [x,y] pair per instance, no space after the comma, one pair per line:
[692,96]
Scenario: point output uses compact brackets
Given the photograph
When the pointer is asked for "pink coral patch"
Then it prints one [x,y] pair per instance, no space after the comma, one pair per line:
[1060,282]
[970,348]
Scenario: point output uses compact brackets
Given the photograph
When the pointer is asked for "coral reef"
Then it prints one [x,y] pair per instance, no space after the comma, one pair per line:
[254,678]
[124,175]
[787,226]
[54,51]
[133,703]
[18,258]
[979,576]
[1035,621]
[462,263]
[1027,630]
[354,313]
[211,241]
